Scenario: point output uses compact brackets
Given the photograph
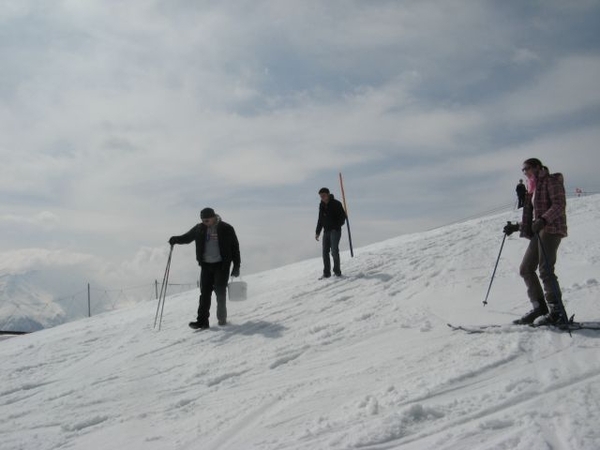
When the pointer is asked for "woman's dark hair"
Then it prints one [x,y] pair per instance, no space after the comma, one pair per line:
[534,162]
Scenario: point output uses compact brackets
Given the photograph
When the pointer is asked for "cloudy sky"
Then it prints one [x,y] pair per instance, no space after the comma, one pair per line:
[119,121]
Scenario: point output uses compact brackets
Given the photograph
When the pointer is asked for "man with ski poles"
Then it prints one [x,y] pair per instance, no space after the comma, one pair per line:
[217,248]
[544,223]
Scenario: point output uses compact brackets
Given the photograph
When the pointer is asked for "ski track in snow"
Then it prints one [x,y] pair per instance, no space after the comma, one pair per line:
[363,361]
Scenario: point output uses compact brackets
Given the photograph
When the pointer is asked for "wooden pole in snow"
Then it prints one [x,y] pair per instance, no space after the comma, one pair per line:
[346,210]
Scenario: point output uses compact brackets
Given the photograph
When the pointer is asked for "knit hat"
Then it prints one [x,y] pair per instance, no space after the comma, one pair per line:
[324,190]
[207,213]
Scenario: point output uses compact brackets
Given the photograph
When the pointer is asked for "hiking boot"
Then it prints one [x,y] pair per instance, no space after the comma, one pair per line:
[337,274]
[199,325]
[530,317]
[552,318]
[222,323]
[325,275]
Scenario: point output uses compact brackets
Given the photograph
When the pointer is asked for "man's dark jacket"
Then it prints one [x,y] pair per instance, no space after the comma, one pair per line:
[229,246]
[331,215]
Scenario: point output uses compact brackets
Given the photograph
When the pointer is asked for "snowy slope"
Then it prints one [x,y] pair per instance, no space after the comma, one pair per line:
[366,361]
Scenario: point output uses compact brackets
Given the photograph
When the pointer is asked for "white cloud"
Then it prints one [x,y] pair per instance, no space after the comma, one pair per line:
[32,259]
[568,87]
[44,219]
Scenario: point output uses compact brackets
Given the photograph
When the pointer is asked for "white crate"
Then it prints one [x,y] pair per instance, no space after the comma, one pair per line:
[238,290]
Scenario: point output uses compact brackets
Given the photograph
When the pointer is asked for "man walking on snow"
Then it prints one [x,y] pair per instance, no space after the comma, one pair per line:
[331,219]
[521,190]
[217,248]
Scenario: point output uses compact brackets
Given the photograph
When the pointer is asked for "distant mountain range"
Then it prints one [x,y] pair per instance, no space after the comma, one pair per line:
[31,300]
[24,306]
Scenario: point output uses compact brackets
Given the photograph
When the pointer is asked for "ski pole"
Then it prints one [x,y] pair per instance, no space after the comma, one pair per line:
[485,302]
[561,305]
[347,220]
[164,287]
[163,292]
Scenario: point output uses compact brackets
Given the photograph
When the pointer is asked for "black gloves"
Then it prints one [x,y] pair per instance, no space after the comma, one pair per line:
[172,240]
[235,272]
[538,225]
[510,228]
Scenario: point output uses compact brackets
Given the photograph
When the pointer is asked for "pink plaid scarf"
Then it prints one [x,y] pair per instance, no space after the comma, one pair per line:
[531,184]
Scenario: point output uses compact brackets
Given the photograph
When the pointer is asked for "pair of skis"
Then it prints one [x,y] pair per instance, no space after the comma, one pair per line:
[570,326]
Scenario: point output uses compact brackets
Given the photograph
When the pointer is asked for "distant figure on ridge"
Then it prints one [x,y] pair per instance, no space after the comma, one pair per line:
[217,247]
[331,219]
[544,223]
[521,193]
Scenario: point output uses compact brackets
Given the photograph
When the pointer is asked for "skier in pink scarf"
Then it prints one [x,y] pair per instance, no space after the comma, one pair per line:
[544,217]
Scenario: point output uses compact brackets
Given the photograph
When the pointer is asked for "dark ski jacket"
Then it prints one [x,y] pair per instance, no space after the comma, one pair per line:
[521,190]
[229,245]
[548,202]
[331,215]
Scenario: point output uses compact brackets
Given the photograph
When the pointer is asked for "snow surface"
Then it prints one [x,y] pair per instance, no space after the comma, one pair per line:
[365,361]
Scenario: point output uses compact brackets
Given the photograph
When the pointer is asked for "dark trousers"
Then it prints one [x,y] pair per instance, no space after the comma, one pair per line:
[331,244]
[521,201]
[213,277]
[534,259]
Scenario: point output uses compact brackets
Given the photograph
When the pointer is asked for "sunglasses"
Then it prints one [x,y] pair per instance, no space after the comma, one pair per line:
[526,168]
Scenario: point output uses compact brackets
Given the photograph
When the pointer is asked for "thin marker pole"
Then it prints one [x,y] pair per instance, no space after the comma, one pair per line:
[346,211]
